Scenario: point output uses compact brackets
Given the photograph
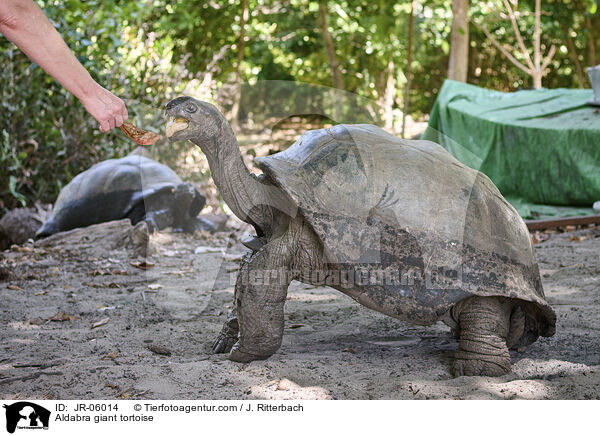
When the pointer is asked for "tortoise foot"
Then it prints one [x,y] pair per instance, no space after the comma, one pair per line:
[471,364]
[237,355]
[484,325]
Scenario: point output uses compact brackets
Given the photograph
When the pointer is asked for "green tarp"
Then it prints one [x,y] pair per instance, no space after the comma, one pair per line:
[540,147]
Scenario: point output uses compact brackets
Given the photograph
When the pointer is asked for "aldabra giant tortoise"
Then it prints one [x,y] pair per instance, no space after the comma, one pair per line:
[400,226]
[133,187]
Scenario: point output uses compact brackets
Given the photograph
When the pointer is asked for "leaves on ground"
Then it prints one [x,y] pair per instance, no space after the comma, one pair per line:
[110,356]
[158,349]
[61,317]
[143,265]
[100,323]
[15,288]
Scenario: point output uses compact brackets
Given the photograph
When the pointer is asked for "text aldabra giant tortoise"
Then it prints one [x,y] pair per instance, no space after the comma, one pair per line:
[400,226]
[133,187]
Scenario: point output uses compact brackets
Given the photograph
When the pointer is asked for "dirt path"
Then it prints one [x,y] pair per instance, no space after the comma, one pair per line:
[333,348]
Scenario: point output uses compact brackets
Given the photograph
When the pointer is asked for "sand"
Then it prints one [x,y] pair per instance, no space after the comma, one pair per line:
[82,319]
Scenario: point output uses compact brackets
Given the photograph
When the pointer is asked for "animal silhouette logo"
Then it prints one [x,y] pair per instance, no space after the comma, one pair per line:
[24,414]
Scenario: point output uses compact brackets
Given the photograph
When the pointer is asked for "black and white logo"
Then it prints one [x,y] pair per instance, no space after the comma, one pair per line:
[26,415]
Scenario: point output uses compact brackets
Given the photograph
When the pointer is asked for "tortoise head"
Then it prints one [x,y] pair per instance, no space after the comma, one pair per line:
[188,118]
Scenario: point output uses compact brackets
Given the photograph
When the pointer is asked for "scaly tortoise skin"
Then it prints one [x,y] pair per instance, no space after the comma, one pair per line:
[133,187]
[400,226]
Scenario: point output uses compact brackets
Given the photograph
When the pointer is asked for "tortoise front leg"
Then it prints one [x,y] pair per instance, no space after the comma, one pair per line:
[483,324]
[229,333]
[261,291]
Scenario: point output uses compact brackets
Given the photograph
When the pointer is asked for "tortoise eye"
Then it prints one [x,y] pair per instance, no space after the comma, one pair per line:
[191,108]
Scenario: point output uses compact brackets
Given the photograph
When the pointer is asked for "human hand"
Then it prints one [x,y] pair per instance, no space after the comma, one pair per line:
[108,109]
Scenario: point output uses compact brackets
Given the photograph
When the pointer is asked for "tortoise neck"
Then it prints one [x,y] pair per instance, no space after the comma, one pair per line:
[242,192]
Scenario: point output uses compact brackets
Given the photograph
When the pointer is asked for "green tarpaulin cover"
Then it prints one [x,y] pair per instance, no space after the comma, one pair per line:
[540,147]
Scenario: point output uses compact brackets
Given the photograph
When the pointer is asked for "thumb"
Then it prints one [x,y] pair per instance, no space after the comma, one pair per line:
[104,126]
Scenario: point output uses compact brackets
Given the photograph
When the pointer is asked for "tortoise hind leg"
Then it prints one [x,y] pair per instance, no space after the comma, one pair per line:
[484,324]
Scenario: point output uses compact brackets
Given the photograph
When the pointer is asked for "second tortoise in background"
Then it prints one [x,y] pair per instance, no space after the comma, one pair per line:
[133,187]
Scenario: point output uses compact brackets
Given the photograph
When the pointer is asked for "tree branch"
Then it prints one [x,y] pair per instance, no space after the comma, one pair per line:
[513,20]
[574,57]
[329,47]
[537,38]
[548,59]
[502,49]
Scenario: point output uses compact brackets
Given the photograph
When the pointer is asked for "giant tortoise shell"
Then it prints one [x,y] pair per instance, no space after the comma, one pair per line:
[408,210]
[132,187]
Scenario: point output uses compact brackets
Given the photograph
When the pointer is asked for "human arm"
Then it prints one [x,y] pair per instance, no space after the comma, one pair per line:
[24,23]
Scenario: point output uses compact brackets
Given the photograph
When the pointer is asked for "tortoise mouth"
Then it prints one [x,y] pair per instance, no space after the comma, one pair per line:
[175,125]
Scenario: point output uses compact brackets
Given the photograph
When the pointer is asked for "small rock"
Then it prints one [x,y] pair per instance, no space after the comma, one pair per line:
[35,321]
[285,385]
[18,226]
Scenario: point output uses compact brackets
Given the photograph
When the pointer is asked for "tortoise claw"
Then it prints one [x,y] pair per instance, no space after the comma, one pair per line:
[223,344]
[227,337]
[254,243]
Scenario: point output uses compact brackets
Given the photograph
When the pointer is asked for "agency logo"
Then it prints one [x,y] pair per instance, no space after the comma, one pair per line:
[26,415]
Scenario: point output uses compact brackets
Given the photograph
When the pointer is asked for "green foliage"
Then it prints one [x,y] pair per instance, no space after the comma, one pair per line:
[47,136]
[560,20]
[148,51]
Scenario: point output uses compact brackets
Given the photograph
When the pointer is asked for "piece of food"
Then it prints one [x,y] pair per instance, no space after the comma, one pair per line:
[140,136]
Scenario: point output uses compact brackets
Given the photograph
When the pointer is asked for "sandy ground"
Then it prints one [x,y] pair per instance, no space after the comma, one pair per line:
[82,319]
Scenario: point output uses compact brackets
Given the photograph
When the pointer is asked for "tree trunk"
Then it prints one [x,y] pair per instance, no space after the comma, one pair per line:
[235,109]
[459,41]
[329,47]
[389,96]
[591,42]
[581,77]
[408,71]
[537,78]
